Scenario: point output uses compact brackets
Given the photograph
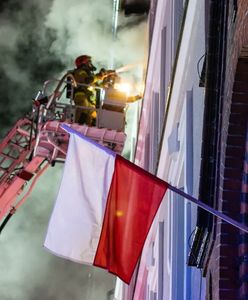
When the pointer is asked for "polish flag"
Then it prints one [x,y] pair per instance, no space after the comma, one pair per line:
[104,209]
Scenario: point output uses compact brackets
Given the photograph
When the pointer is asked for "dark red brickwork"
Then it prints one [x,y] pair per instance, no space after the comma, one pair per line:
[227,269]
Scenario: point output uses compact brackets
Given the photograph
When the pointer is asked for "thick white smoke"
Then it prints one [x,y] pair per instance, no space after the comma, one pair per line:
[85,27]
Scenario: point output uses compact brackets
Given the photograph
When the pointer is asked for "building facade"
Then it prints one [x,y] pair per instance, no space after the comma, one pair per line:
[193,133]
[169,146]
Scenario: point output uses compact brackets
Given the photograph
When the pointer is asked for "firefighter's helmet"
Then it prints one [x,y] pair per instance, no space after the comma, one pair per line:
[82,60]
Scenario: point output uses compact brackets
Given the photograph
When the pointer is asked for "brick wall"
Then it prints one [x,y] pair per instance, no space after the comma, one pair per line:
[243,238]
[224,264]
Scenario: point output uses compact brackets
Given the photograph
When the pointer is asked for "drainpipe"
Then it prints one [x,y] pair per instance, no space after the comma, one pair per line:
[115,14]
[116,7]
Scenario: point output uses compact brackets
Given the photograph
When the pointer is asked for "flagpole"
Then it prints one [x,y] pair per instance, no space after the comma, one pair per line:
[209,209]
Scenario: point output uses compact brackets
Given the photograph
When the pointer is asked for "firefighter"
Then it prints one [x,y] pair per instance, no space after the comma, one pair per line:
[83,95]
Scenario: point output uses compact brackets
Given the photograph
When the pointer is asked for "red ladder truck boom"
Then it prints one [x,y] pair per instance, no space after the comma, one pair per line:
[37,141]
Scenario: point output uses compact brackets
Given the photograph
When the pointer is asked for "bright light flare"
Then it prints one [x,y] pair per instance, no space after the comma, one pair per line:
[123,87]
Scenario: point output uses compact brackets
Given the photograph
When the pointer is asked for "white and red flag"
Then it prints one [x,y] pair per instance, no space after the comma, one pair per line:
[104,209]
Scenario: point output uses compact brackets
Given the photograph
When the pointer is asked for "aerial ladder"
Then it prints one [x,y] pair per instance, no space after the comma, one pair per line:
[38,141]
